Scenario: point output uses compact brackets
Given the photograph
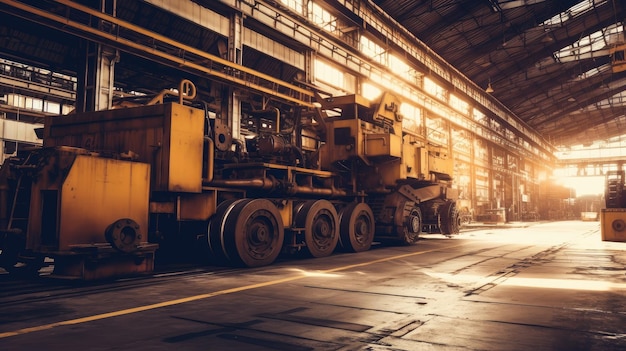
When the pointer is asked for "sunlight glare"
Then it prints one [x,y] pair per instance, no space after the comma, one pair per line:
[315,273]
[587,185]
[569,284]
[542,283]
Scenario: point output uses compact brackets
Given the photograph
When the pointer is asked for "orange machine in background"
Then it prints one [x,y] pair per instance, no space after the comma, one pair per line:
[613,217]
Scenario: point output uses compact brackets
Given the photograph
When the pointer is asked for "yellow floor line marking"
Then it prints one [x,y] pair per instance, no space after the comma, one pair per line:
[205,296]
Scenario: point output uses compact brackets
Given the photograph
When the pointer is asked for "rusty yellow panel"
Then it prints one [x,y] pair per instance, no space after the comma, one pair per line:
[185,149]
[349,100]
[162,207]
[340,143]
[452,194]
[286,213]
[439,160]
[197,206]
[388,109]
[613,224]
[390,172]
[410,160]
[382,144]
[97,192]
[423,161]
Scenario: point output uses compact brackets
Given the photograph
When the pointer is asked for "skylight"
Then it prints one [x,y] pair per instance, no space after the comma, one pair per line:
[572,12]
[594,45]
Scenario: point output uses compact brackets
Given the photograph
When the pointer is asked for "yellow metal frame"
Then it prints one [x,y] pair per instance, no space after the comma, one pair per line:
[613,224]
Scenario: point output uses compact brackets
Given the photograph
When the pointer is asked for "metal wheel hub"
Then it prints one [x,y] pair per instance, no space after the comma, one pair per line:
[323,229]
[258,231]
[361,228]
[414,224]
[357,227]
[320,222]
[246,232]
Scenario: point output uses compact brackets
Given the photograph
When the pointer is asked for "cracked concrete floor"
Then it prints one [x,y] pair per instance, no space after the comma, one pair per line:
[533,286]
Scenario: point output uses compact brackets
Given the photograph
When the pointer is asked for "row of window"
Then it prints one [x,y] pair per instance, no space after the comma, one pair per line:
[443,99]
[35,104]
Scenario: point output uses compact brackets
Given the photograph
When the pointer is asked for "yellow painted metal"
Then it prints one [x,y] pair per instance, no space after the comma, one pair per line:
[423,161]
[349,100]
[170,137]
[410,162]
[162,207]
[382,144]
[185,149]
[613,224]
[286,213]
[373,133]
[440,160]
[337,146]
[97,192]
[365,140]
[203,66]
[209,159]
[197,206]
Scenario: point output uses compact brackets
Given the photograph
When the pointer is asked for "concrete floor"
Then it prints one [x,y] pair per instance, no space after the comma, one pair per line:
[532,286]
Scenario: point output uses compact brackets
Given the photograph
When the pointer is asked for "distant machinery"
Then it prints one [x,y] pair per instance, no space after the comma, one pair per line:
[613,217]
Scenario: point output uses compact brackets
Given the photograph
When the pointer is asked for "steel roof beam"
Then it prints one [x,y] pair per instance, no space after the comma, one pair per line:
[162,49]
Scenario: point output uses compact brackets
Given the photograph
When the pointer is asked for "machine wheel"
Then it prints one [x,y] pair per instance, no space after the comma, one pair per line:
[253,233]
[319,220]
[215,229]
[449,218]
[357,227]
[412,227]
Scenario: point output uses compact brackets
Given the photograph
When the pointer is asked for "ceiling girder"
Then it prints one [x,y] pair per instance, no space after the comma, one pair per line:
[588,96]
[562,37]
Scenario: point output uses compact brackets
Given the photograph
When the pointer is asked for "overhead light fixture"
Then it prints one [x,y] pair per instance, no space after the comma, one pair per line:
[489,88]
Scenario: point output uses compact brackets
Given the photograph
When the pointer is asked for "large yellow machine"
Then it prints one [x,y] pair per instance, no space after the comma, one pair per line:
[613,217]
[111,190]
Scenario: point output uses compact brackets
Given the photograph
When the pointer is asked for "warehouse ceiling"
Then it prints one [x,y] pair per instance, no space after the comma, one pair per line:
[549,62]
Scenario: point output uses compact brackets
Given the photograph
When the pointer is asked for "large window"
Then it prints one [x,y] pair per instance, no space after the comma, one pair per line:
[459,104]
[372,50]
[434,89]
[295,5]
[370,91]
[322,18]
[412,118]
[399,67]
[328,74]
[437,130]
[478,115]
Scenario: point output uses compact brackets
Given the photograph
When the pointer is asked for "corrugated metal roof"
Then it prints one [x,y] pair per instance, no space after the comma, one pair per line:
[539,57]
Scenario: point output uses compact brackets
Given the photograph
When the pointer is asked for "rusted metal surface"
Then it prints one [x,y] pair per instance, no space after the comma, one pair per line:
[169,137]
